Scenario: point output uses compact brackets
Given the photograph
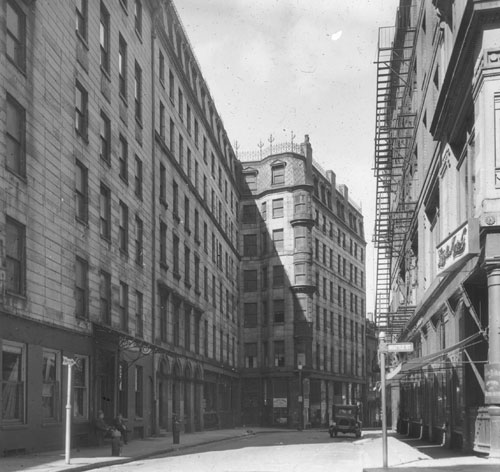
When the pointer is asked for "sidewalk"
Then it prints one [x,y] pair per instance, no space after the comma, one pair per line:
[410,454]
[94,457]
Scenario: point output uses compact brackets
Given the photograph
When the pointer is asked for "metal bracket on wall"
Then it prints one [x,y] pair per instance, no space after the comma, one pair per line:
[472,311]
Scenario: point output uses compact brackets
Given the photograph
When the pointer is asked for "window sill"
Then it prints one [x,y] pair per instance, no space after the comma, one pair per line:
[164,265]
[177,275]
[105,73]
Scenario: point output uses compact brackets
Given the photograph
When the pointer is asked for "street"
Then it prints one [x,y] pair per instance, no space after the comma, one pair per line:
[311,450]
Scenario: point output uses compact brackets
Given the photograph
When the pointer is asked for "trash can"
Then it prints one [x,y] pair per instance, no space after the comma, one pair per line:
[116,442]
[175,430]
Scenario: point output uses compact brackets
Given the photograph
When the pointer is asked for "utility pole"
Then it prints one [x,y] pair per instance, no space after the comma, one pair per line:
[70,363]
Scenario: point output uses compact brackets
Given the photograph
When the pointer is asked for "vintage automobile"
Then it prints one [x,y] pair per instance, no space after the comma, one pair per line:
[345,420]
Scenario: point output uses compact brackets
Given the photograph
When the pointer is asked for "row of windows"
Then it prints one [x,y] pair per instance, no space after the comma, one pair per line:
[192,332]
[354,249]
[191,75]
[346,328]
[276,358]
[14,384]
[278,177]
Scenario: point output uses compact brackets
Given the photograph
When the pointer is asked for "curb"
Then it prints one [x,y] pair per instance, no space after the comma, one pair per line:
[159,452]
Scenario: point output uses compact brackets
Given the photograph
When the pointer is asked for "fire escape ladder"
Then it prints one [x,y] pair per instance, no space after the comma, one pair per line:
[394,134]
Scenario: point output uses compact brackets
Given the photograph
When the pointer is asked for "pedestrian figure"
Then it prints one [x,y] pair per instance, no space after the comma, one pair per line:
[121,426]
[102,429]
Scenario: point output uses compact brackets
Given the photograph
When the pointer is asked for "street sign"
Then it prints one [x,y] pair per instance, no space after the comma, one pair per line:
[399,347]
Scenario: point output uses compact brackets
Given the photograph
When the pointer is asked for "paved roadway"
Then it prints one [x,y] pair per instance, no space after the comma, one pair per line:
[293,451]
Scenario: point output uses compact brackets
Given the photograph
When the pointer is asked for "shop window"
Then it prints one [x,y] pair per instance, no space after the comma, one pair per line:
[13,382]
[51,395]
[81,388]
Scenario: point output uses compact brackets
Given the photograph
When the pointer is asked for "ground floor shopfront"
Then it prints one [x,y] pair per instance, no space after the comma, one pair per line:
[295,399]
[450,391]
[113,372]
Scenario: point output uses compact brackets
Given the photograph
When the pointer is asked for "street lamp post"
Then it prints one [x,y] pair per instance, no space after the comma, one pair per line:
[70,363]
[301,425]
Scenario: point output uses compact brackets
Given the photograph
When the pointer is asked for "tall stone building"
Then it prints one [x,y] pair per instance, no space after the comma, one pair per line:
[303,290]
[437,227]
[119,238]
[118,224]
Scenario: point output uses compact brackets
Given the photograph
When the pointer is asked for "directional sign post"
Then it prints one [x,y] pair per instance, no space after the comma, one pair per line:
[383,349]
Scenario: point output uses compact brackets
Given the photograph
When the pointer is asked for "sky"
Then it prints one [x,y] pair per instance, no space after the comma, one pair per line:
[297,66]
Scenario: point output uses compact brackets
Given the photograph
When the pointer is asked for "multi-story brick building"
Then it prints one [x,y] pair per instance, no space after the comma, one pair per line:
[303,290]
[120,229]
[437,220]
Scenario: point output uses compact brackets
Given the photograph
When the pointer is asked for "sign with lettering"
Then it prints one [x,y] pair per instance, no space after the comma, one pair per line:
[492,383]
[279,402]
[399,347]
[459,245]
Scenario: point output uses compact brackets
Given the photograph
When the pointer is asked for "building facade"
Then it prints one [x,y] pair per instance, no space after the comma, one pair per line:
[118,224]
[123,248]
[303,290]
[437,218]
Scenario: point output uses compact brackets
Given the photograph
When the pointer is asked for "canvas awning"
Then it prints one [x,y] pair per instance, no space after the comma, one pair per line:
[408,367]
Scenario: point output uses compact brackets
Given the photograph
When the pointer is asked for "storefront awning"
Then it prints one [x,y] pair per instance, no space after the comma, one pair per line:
[408,367]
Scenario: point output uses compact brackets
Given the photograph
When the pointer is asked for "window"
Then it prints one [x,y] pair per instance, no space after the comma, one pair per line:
[279,353]
[123,159]
[15,256]
[162,120]
[250,355]
[81,19]
[81,192]
[250,315]
[163,243]
[81,288]
[278,276]
[123,388]
[181,150]
[163,315]
[123,228]
[13,382]
[175,249]
[250,245]
[300,236]
[175,200]
[250,181]
[180,103]
[250,280]
[80,388]
[278,174]
[196,226]
[104,38]
[123,306]
[279,311]
[81,110]
[196,133]
[161,68]
[15,136]
[122,67]
[300,274]
[187,328]
[187,266]
[138,92]
[188,119]
[278,208]
[187,225]
[138,389]
[197,274]
[138,17]
[139,315]
[138,241]
[105,132]
[16,34]
[138,177]
[249,215]
[278,240]
[105,297]
[105,213]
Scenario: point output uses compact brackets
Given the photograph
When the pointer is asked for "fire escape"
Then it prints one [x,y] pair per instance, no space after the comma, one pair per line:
[394,135]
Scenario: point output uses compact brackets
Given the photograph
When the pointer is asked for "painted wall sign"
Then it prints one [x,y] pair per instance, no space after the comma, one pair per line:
[461,244]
